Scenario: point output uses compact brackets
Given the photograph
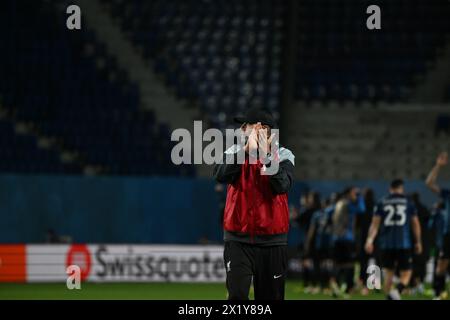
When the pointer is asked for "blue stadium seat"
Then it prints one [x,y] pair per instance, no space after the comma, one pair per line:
[71,90]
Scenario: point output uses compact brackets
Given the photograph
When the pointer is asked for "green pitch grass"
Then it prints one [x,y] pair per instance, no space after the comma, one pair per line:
[152,291]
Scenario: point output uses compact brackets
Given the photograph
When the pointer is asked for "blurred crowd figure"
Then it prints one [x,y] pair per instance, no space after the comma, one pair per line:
[333,232]
[52,237]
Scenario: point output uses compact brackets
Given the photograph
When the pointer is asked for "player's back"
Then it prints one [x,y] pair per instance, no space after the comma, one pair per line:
[396,211]
[322,223]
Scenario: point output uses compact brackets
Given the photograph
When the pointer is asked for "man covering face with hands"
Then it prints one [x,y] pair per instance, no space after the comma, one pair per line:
[256,217]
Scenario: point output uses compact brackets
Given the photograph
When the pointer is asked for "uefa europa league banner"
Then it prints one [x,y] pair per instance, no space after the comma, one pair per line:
[112,263]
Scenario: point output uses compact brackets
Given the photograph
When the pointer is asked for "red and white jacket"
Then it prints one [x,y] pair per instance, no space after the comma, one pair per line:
[256,209]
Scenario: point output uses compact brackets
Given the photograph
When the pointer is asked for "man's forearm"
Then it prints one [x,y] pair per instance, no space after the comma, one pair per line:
[432,177]
[373,230]
[417,231]
[228,170]
[283,180]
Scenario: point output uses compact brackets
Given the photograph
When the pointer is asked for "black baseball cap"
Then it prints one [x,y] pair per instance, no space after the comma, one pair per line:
[257,114]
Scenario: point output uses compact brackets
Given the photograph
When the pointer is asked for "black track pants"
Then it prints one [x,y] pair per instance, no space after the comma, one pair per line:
[266,264]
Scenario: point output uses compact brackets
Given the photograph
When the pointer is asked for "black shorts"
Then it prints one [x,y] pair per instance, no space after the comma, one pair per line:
[444,253]
[392,258]
[344,251]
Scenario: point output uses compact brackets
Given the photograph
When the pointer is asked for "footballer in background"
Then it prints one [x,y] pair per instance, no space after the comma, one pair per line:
[444,253]
[350,205]
[394,218]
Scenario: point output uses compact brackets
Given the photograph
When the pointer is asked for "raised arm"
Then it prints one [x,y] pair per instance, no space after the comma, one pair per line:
[284,179]
[227,173]
[431,183]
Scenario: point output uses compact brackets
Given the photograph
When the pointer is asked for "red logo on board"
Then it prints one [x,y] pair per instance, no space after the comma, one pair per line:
[79,255]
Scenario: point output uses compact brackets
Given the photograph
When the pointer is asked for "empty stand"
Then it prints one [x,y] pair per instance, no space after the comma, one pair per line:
[66,86]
